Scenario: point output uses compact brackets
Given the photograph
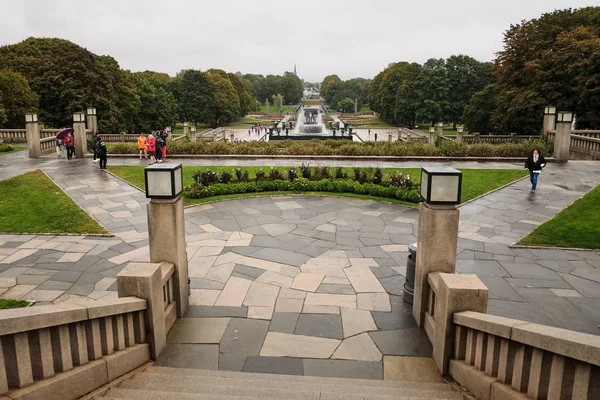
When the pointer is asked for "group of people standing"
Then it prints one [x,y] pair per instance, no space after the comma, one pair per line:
[154,146]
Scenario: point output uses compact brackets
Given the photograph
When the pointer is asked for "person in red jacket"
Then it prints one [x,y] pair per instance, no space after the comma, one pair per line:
[151,148]
[70,145]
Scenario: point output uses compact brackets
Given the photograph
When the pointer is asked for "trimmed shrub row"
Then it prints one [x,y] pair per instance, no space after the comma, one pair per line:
[346,148]
[197,190]
[5,147]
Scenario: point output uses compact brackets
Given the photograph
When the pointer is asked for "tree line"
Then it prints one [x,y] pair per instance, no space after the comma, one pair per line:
[56,78]
[551,60]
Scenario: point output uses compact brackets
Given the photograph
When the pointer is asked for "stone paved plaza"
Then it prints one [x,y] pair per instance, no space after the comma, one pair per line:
[307,285]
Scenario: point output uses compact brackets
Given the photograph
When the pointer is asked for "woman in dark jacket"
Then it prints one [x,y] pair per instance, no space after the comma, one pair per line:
[535,162]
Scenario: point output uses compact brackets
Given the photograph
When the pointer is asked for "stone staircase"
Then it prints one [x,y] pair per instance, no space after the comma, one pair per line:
[160,383]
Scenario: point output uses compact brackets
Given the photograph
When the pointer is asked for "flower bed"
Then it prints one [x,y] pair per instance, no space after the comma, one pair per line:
[371,182]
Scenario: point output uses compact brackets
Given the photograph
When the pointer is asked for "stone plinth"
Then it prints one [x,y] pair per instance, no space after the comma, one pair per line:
[80,139]
[562,141]
[436,243]
[32,130]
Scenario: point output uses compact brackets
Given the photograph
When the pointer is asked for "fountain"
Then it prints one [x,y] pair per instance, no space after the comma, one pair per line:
[309,125]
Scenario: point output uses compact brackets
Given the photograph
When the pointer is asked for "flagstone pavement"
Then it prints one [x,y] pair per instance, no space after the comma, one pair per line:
[307,285]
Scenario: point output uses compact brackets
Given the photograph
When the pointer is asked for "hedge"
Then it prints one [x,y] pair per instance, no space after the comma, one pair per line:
[196,190]
[346,148]
[5,147]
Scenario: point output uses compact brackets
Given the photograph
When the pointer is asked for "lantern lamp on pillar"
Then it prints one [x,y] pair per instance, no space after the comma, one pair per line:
[79,117]
[440,124]
[29,118]
[163,181]
[441,185]
[460,129]
[564,116]
[91,111]
[193,129]
[432,130]
[550,110]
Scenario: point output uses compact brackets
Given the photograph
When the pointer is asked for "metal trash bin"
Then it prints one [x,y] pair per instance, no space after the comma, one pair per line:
[409,283]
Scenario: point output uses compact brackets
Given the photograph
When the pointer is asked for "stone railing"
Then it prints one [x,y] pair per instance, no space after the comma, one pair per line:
[169,302]
[585,147]
[588,133]
[115,137]
[496,139]
[63,351]
[501,358]
[13,135]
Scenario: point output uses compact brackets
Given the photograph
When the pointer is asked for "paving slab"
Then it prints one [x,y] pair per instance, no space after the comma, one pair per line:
[286,345]
[403,342]
[284,322]
[273,365]
[206,312]
[196,356]
[242,338]
[197,330]
[360,348]
[325,326]
[343,369]
[411,369]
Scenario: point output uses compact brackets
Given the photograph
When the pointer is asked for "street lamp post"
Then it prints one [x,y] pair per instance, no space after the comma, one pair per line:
[79,134]
[92,120]
[432,136]
[562,141]
[459,134]
[166,225]
[438,231]
[549,123]
[32,132]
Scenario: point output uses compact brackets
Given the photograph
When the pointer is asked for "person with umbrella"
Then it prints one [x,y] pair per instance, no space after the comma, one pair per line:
[70,145]
[60,140]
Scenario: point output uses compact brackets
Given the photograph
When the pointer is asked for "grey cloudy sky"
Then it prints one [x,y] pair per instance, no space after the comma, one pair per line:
[350,38]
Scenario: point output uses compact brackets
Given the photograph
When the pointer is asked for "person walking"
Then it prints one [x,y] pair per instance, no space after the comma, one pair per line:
[70,145]
[142,145]
[158,147]
[151,148]
[95,145]
[535,163]
[165,136]
[102,154]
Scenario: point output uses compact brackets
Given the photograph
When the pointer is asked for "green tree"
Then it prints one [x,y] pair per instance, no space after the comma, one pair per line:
[243,89]
[477,115]
[330,86]
[433,90]
[291,88]
[16,99]
[554,59]
[158,107]
[278,101]
[192,91]
[346,105]
[224,103]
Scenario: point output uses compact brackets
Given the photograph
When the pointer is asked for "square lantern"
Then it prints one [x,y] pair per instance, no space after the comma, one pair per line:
[550,110]
[564,116]
[78,117]
[441,185]
[185,124]
[432,129]
[460,129]
[30,118]
[163,181]
[193,128]
[440,124]
[91,111]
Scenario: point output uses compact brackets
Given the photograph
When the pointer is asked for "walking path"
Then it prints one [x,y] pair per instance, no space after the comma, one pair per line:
[307,285]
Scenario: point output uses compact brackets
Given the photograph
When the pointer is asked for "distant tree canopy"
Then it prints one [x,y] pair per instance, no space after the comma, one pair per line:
[264,88]
[334,90]
[16,99]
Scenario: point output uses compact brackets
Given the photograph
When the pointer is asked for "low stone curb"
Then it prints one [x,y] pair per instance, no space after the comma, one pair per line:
[333,158]
[518,246]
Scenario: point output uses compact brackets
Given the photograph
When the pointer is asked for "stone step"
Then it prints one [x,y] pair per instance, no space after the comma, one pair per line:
[133,394]
[296,378]
[241,386]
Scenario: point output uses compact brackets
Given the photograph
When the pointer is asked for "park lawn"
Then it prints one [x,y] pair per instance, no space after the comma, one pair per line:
[272,110]
[32,203]
[6,304]
[475,181]
[365,109]
[577,226]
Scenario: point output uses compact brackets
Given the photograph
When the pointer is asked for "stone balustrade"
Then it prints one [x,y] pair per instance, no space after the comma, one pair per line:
[66,350]
[585,147]
[13,135]
[501,358]
[496,139]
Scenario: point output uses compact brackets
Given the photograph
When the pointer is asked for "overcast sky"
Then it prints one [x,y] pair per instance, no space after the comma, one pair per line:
[350,38]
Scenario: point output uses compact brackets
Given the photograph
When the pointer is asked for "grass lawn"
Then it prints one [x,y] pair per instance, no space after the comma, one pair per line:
[6,304]
[32,203]
[475,181]
[273,110]
[576,226]
[365,109]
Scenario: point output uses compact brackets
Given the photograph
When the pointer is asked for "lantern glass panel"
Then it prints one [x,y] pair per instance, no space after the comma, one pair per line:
[424,184]
[444,188]
[178,181]
[159,183]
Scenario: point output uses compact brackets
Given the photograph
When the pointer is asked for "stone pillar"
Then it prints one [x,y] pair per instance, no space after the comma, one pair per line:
[232,137]
[562,141]
[440,129]
[92,120]
[215,137]
[80,139]
[389,137]
[431,138]
[476,137]
[459,137]
[166,231]
[32,131]
[355,106]
[193,134]
[437,240]
[267,106]
[122,137]
[513,137]
[549,124]
[456,293]
[169,132]
[144,280]
[186,129]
